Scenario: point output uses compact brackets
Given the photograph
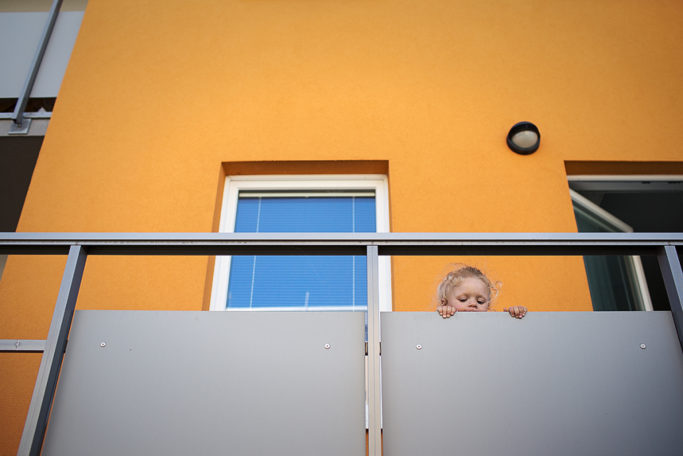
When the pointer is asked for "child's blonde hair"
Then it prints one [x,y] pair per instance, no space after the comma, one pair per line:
[461,273]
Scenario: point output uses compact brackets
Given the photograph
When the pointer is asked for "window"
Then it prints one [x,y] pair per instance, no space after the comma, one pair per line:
[295,203]
[627,204]
[615,282]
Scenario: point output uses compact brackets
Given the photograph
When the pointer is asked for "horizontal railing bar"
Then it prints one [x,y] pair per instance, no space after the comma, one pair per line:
[506,249]
[339,243]
[394,236]
[22,345]
[191,249]
[27,115]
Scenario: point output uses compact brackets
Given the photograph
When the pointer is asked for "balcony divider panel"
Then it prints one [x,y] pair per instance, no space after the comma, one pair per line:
[179,383]
[560,383]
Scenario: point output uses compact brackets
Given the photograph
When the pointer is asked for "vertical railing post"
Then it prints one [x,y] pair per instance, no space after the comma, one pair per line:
[673,281]
[374,393]
[46,382]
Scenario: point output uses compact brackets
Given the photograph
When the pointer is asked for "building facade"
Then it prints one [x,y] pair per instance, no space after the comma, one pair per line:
[170,113]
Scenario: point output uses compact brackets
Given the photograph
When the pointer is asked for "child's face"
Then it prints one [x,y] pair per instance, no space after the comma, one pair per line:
[471,295]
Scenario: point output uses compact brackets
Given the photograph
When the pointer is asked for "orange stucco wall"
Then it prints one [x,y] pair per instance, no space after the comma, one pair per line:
[160,97]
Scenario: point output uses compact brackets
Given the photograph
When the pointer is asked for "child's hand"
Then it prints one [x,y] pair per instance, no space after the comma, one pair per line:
[446,311]
[516,311]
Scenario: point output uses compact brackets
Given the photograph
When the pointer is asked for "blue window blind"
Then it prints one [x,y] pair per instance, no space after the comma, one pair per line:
[301,282]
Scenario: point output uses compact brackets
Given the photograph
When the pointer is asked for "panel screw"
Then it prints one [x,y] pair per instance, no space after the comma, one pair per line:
[327,346]
[643,346]
[103,344]
[418,346]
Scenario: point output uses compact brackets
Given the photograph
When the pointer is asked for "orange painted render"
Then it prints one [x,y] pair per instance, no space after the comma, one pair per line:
[162,99]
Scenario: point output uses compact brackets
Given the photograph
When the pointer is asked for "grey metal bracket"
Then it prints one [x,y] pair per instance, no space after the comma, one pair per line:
[20,129]
[22,345]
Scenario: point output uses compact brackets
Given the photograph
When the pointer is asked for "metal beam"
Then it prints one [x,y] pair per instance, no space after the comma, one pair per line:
[27,115]
[22,345]
[340,243]
[374,391]
[46,382]
[673,281]
[35,65]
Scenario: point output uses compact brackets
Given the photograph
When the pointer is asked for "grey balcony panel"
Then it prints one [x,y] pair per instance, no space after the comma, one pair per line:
[19,37]
[562,383]
[179,383]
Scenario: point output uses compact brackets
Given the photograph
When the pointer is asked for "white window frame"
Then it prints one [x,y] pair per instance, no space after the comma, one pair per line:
[234,184]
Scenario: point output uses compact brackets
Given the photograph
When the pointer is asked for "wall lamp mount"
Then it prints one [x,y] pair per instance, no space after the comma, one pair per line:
[524,138]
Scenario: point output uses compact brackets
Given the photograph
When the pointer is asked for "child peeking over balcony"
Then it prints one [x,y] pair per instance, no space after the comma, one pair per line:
[467,289]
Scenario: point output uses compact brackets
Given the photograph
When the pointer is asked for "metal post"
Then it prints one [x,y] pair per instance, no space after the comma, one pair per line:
[35,66]
[43,392]
[374,392]
[673,281]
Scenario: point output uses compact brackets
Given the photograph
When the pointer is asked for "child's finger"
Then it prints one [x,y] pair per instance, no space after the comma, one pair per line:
[514,311]
[446,311]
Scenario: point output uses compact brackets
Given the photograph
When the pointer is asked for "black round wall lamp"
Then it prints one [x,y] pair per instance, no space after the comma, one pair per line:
[524,138]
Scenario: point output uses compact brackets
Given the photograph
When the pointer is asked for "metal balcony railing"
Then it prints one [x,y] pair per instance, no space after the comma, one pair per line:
[21,122]
[79,245]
